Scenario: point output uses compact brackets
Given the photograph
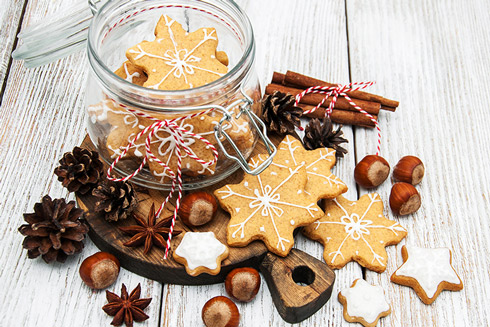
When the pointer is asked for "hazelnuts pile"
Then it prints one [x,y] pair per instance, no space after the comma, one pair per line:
[373,170]
[404,197]
[241,284]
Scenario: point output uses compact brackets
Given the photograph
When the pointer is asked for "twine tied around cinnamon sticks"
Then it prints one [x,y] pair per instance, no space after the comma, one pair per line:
[343,112]
[336,92]
[320,99]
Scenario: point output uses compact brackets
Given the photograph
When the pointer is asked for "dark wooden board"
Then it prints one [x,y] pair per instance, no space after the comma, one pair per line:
[108,237]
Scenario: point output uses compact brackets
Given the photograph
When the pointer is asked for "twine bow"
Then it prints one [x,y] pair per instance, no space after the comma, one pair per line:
[178,133]
[340,91]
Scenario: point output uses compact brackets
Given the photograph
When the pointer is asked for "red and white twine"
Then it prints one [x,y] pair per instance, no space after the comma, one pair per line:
[178,133]
[340,91]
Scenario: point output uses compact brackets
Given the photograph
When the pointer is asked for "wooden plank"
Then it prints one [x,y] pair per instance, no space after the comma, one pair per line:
[431,57]
[10,19]
[42,117]
[309,39]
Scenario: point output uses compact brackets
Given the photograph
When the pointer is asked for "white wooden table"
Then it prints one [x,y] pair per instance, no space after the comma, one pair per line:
[432,56]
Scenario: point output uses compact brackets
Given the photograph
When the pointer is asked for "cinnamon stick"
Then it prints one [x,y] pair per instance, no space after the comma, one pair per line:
[341,116]
[302,81]
[314,99]
[278,78]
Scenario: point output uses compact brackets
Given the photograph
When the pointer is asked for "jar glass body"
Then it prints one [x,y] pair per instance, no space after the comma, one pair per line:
[120,113]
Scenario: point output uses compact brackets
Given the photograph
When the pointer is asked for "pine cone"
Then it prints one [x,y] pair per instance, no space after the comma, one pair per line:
[320,134]
[80,170]
[116,200]
[279,113]
[54,230]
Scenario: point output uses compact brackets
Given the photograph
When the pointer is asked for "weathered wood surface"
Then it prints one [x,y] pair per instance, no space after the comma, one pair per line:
[436,67]
[430,55]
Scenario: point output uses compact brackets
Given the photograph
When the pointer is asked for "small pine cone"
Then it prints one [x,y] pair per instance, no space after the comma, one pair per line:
[320,134]
[80,170]
[279,113]
[54,230]
[116,200]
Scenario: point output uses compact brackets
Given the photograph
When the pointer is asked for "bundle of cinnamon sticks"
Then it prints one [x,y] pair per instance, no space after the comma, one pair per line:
[343,112]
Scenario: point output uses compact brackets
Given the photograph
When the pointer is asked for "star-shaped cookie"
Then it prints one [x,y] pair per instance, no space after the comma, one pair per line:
[364,303]
[176,59]
[428,272]
[268,207]
[355,230]
[322,184]
[201,252]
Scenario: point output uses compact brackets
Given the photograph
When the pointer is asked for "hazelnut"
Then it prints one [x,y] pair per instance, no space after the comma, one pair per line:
[409,169]
[197,208]
[100,270]
[220,311]
[242,284]
[404,199]
[371,171]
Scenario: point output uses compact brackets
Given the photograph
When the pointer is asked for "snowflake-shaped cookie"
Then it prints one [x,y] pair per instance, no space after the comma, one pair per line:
[355,230]
[364,303]
[322,184]
[268,207]
[176,59]
[201,252]
[428,272]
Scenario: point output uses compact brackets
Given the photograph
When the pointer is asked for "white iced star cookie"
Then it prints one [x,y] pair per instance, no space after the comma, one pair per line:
[364,303]
[428,272]
[201,252]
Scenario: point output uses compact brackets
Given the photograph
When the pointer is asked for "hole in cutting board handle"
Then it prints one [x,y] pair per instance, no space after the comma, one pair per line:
[303,276]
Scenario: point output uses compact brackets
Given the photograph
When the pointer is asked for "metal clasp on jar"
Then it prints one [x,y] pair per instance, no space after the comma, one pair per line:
[245,105]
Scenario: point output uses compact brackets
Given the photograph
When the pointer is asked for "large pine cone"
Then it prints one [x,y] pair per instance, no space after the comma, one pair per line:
[116,200]
[80,170]
[279,113]
[54,230]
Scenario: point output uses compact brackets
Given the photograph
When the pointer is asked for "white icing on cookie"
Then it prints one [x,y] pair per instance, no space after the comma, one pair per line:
[200,250]
[429,267]
[129,77]
[365,301]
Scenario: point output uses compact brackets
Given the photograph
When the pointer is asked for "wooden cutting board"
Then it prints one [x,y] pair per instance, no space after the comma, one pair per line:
[299,283]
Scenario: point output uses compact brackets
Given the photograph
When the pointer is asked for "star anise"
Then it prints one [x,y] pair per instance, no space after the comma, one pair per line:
[319,133]
[126,308]
[150,233]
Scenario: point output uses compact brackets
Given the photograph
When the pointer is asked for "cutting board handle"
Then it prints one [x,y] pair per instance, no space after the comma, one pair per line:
[299,284]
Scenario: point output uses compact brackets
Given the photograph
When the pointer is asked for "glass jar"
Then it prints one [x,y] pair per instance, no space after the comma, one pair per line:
[142,129]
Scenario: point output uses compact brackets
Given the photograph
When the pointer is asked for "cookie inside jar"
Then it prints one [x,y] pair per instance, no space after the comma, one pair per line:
[166,76]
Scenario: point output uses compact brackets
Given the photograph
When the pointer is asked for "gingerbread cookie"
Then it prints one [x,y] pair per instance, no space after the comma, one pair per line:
[268,207]
[364,303]
[428,272]
[131,73]
[322,184]
[176,59]
[201,253]
[355,230]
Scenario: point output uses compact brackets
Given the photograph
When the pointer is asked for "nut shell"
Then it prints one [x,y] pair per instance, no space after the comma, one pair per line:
[100,270]
[409,169]
[371,171]
[220,311]
[242,284]
[404,199]
[197,208]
